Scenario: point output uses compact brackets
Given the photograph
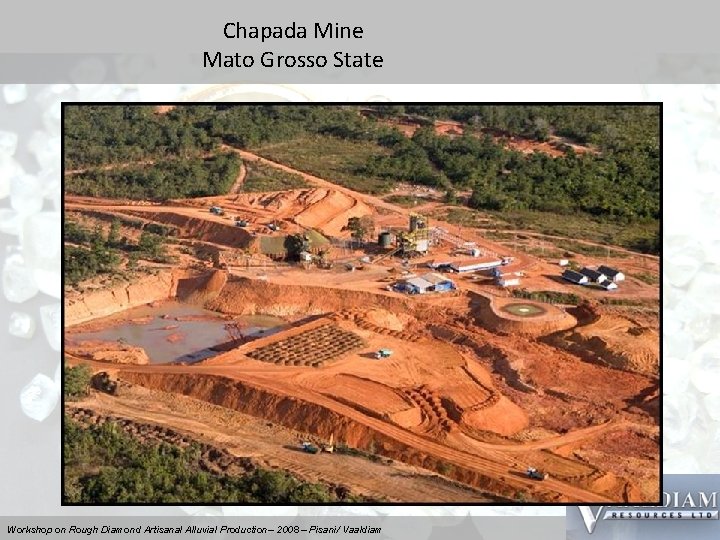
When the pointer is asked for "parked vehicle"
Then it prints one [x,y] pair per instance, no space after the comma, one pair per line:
[310,448]
[534,474]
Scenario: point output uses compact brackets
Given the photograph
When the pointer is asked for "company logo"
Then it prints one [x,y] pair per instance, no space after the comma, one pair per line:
[699,506]
[589,518]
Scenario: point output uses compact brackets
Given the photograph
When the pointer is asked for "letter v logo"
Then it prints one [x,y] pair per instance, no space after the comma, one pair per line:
[589,518]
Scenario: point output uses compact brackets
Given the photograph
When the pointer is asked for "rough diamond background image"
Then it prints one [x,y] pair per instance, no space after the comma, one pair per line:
[30,230]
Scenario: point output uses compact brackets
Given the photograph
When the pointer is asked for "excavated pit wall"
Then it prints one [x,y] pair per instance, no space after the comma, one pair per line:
[242,296]
[217,291]
[194,228]
[310,418]
[103,302]
[594,349]
[165,285]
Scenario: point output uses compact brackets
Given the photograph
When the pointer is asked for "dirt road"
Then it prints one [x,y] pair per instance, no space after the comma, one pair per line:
[237,185]
[274,446]
[483,462]
[522,260]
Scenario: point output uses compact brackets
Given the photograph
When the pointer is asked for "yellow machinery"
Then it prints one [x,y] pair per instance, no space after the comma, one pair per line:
[417,239]
[411,242]
[330,446]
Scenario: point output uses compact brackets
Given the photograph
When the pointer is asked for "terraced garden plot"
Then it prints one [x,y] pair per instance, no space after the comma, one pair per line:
[313,348]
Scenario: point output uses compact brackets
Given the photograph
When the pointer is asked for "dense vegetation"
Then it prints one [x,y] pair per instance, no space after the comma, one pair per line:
[173,178]
[76,381]
[606,126]
[89,253]
[100,134]
[548,297]
[618,181]
[621,182]
[105,465]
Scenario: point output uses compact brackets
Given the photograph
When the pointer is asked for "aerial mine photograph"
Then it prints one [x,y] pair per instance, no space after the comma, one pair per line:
[361,304]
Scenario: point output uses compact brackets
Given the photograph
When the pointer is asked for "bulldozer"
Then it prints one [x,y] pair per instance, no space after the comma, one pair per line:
[102,382]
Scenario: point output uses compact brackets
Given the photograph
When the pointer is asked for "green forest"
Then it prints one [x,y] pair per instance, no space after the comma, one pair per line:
[618,182]
[172,178]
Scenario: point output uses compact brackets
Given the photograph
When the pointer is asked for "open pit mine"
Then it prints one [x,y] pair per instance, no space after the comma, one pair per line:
[401,368]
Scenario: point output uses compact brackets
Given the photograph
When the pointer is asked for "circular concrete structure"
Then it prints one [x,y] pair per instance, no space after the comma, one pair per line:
[523,309]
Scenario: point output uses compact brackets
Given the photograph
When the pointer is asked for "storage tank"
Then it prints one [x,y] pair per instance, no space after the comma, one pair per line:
[385,239]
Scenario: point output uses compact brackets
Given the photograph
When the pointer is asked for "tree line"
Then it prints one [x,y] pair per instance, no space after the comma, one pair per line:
[620,181]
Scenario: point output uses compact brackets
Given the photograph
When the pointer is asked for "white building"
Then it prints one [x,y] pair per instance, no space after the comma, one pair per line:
[593,275]
[612,273]
[418,285]
[474,265]
[575,277]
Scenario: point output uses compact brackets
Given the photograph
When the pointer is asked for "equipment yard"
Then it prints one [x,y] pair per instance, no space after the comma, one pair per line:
[454,386]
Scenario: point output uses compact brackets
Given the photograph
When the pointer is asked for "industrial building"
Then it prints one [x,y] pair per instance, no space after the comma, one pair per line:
[575,277]
[417,238]
[473,265]
[612,273]
[440,282]
[416,285]
[414,241]
[430,282]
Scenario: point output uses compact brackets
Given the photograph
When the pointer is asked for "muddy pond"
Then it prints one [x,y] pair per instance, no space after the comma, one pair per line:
[175,332]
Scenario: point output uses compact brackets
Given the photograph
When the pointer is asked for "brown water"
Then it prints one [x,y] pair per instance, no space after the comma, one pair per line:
[176,332]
